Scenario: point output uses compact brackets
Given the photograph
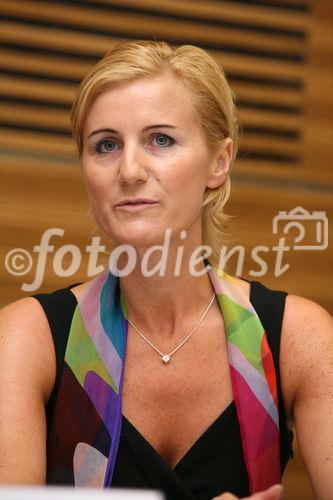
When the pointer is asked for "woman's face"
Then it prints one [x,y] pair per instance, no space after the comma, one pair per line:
[146,163]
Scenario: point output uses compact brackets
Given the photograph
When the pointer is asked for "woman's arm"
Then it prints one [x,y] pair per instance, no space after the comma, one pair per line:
[27,375]
[306,364]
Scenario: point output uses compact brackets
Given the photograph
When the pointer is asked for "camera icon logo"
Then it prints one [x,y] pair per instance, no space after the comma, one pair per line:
[307,223]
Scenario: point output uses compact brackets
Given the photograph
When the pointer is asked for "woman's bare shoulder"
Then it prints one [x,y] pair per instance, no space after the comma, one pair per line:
[306,350]
[27,377]
[23,315]
[301,313]
[26,343]
[306,329]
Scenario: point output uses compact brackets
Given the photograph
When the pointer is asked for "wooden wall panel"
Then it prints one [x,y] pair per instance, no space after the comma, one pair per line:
[261,47]
[318,130]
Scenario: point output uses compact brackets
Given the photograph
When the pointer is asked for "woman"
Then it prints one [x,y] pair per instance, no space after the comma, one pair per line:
[164,376]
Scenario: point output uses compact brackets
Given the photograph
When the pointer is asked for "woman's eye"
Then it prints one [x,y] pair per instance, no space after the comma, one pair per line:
[106,146]
[163,140]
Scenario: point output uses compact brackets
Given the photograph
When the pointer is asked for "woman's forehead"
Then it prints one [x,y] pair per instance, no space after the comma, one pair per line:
[161,89]
[160,98]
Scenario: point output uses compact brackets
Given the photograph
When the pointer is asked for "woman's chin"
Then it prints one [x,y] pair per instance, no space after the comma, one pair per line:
[137,241]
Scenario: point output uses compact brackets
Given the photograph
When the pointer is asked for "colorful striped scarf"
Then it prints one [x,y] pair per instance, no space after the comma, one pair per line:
[93,374]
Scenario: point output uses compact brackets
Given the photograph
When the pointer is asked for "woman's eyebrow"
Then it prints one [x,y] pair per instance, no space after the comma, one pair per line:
[160,125]
[99,130]
[149,127]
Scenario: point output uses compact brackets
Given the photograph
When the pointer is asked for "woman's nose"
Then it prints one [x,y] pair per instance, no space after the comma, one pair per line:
[132,168]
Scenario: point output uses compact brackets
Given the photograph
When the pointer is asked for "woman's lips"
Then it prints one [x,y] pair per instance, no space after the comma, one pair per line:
[136,207]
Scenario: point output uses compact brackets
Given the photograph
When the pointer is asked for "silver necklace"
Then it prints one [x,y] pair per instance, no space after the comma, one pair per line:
[166,357]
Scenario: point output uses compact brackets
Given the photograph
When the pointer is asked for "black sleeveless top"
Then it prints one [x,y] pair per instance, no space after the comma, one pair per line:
[214,463]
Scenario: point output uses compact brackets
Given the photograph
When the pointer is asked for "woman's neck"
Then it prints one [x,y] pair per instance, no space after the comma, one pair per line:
[165,304]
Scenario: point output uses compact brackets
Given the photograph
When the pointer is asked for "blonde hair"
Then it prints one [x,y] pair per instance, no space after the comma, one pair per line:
[213,102]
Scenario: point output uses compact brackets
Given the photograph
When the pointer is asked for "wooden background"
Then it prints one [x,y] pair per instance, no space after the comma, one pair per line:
[278,58]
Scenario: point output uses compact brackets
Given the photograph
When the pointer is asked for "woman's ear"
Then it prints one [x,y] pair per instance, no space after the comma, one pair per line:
[221,165]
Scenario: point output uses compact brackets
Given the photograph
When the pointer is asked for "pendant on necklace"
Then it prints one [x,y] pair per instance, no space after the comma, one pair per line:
[166,358]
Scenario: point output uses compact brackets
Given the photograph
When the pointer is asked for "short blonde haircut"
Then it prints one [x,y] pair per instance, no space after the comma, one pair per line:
[212,97]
